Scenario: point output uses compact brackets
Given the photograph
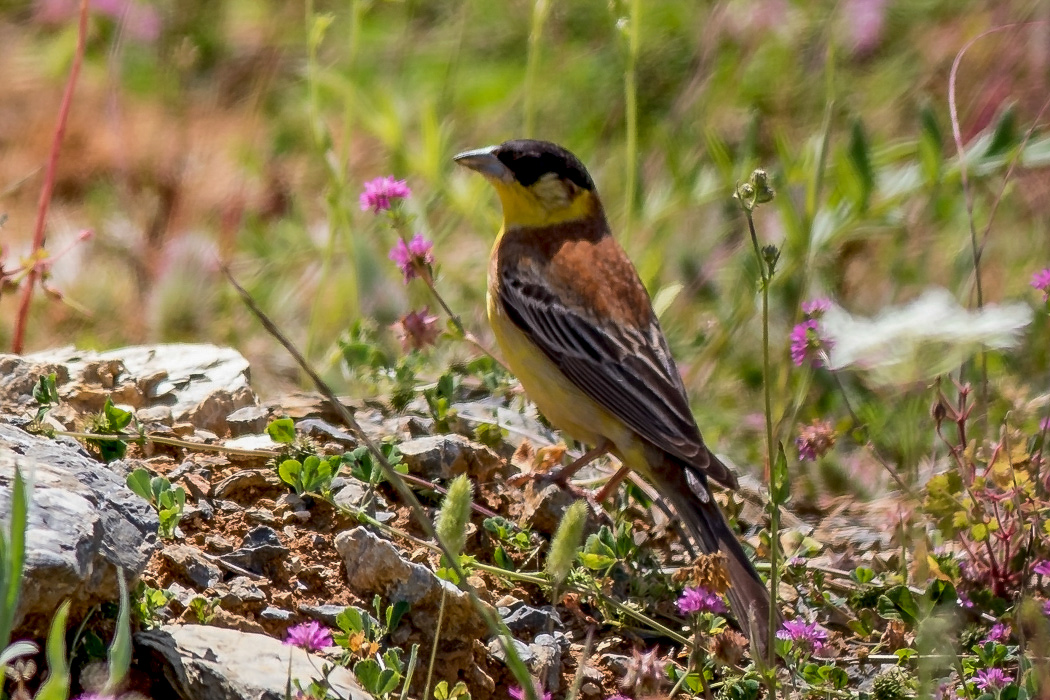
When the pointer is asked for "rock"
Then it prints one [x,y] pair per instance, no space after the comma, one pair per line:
[259,551]
[189,562]
[590,689]
[355,495]
[244,480]
[324,614]
[260,515]
[496,651]
[526,618]
[82,523]
[201,384]
[375,566]
[272,613]
[617,663]
[547,650]
[218,544]
[247,420]
[543,509]
[160,415]
[242,592]
[442,457]
[221,664]
[323,430]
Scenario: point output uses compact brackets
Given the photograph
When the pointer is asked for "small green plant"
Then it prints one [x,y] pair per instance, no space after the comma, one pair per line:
[508,535]
[439,400]
[204,608]
[457,692]
[361,633]
[147,604]
[169,501]
[364,467]
[313,475]
[110,421]
[45,393]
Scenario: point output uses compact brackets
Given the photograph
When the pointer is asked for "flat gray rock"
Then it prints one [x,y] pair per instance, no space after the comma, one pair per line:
[83,523]
[222,664]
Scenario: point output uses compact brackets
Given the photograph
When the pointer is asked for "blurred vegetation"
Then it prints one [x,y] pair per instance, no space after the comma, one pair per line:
[242,131]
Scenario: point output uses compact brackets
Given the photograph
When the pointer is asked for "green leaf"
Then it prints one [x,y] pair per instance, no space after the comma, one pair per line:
[116,418]
[350,620]
[281,431]
[56,687]
[901,600]
[12,557]
[394,613]
[780,488]
[502,559]
[139,482]
[1004,137]
[859,154]
[862,575]
[441,691]
[290,472]
[120,649]
[367,672]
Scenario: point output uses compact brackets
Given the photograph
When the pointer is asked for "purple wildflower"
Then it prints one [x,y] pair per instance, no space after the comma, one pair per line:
[407,256]
[815,440]
[1045,424]
[700,599]
[1042,568]
[808,344]
[991,678]
[807,635]
[964,601]
[1046,608]
[815,308]
[95,696]
[379,193]
[999,633]
[311,636]
[518,693]
[1041,281]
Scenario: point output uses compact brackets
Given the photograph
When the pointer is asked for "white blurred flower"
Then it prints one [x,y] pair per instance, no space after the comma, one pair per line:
[926,337]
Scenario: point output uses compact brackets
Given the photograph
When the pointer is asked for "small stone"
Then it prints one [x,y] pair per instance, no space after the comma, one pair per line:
[243,593]
[545,507]
[218,544]
[324,614]
[289,502]
[442,457]
[247,420]
[617,663]
[160,415]
[534,620]
[496,650]
[272,613]
[245,479]
[260,515]
[191,563]
[296,516]
[258,552]
[590,690]
[228,506]
[183,430]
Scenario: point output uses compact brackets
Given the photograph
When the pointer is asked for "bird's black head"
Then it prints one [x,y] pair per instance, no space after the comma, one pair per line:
[530,160]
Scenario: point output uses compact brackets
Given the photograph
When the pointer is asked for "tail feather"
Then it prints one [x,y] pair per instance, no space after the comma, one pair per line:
[703,519]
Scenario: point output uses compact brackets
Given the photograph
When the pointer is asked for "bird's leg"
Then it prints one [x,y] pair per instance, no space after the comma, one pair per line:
[612,485]
[561,475]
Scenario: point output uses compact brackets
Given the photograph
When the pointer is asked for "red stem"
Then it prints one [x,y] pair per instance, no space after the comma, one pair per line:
[49,182]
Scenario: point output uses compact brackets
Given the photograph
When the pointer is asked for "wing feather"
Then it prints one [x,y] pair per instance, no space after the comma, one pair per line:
[627,370]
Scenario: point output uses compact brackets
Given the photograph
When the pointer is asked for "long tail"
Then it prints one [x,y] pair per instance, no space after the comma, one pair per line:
[703,519]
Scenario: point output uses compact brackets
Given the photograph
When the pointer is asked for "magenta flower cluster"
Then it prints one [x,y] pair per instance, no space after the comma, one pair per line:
[518,693]
[1042,568]
[410,256]
[1041,281]
[699,599]
[808,636]
[807,339]
[1000,632]
[311,636]
[991,678]
[379,194]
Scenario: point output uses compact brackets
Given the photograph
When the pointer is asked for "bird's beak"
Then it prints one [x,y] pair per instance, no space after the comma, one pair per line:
[484,161]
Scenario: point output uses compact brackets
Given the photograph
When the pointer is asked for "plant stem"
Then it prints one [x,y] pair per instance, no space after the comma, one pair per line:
[540,8]
[22,318]
[631,116]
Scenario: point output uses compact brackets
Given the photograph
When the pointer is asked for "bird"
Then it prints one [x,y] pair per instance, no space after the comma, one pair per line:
[577,328]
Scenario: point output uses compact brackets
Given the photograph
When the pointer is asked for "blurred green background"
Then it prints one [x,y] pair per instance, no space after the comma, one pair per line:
[242,131]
